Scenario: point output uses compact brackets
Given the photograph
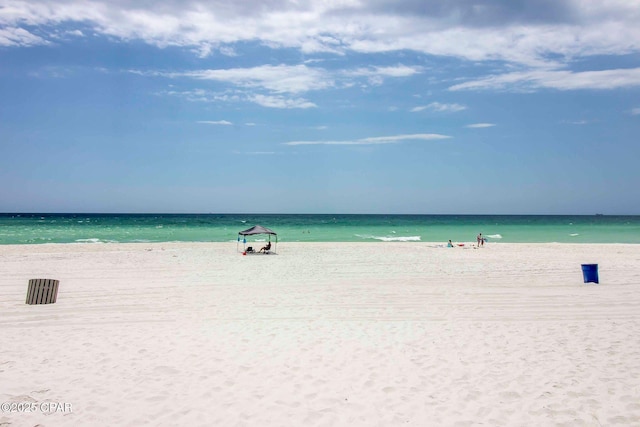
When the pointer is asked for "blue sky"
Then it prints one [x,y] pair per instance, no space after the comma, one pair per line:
[346,106]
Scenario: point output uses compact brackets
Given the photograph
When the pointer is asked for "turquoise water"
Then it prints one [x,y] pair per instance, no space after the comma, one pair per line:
[104,228]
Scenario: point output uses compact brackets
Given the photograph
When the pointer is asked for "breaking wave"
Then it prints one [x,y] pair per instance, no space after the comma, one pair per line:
[89,241]
[96,240]
[391,239]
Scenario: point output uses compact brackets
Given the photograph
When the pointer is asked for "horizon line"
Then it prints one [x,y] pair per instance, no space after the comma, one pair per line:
[317,213]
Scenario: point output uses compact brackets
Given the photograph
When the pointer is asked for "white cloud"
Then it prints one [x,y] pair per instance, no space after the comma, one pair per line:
[375,140]
[278,78]
[74,33]
[228,51]
[541,39]
[529,33]
[270,101]
[201,95]
[281,102]
[635,111]
[439,107]
[289,78]
[13,36]
[480,125]
[396,71]
[276,81]
[556,79]
[376,75]
[216,122]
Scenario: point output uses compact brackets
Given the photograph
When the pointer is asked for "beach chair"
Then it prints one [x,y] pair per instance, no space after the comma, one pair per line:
[266,249]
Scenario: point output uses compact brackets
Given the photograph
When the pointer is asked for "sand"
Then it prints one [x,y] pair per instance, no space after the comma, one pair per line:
[321,334]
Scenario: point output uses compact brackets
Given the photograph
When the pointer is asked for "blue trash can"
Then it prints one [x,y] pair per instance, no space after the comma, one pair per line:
[590,273]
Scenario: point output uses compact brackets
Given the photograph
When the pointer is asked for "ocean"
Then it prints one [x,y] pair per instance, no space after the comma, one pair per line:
[124,228]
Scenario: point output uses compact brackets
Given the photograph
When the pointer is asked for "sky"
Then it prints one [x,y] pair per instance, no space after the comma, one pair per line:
[323,106]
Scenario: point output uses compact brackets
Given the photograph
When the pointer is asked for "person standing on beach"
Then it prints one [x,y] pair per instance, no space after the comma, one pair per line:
[480,240]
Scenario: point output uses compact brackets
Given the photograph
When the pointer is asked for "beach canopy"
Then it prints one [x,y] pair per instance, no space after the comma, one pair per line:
[257,229]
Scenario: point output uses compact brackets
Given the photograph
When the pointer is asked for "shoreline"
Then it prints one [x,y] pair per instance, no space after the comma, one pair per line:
[212,228]
[353,334]
[285,242]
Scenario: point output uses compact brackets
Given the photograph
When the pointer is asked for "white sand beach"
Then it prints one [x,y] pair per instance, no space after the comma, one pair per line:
[321,334]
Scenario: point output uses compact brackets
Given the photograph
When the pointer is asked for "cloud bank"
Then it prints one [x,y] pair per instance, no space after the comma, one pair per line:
[536,42]
[518,31]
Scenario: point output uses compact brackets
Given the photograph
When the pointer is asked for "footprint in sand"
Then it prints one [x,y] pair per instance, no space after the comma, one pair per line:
[510,395]
[166,370]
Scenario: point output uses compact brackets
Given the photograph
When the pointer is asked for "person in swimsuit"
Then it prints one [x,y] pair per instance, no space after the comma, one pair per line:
[265,248]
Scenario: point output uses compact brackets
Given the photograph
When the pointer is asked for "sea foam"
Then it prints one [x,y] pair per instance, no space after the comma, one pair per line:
[89,241]
[392,239]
